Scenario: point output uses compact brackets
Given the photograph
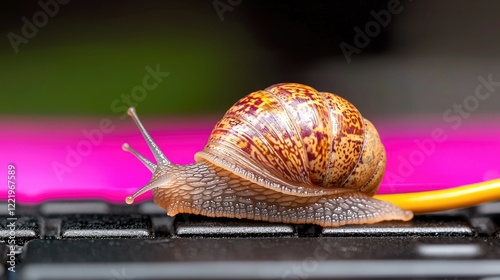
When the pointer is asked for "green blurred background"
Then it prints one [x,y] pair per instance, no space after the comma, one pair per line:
[89,53]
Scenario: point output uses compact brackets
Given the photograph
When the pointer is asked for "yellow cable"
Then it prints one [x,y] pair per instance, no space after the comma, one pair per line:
[447,199]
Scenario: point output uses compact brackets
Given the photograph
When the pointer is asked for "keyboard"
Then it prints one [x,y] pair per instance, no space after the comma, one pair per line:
[99,240]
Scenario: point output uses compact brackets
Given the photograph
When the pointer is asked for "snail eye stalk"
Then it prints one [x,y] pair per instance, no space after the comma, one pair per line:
[151,166]
[157,169]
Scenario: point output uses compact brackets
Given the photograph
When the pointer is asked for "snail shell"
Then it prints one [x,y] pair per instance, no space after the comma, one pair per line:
[284,154]
[295,140]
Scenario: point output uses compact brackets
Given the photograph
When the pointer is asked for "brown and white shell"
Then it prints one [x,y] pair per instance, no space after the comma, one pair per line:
[294,139]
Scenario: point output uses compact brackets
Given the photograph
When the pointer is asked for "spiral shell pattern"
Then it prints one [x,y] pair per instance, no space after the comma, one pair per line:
[294,139]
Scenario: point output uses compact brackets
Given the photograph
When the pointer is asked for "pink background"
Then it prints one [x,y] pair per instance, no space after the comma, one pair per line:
[470,153]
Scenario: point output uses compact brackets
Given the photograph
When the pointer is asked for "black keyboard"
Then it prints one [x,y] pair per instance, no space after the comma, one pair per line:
[96,240]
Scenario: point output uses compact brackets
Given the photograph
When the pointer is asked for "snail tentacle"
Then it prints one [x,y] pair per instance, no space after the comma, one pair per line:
[161,176]
[157,153]
[151,166]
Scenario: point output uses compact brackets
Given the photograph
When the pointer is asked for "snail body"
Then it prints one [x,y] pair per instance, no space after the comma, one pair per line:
[285,154]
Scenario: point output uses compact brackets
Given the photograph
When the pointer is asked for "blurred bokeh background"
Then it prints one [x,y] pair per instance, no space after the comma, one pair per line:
[83,55]
[72,63]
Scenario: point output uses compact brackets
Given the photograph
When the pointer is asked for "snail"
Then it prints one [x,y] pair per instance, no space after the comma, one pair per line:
[286,154]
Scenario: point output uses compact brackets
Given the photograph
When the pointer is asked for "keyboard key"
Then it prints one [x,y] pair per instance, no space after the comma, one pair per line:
[496,222]
[74,207]
[487,218]
[51,228]
[258,258]
[163,226]
[26,228]
[106,226]
[20,209]
[431,225]
[192,225]
[484,225]
[3,209]
[492,208]
[3,259]
[151,208]
[449,250]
